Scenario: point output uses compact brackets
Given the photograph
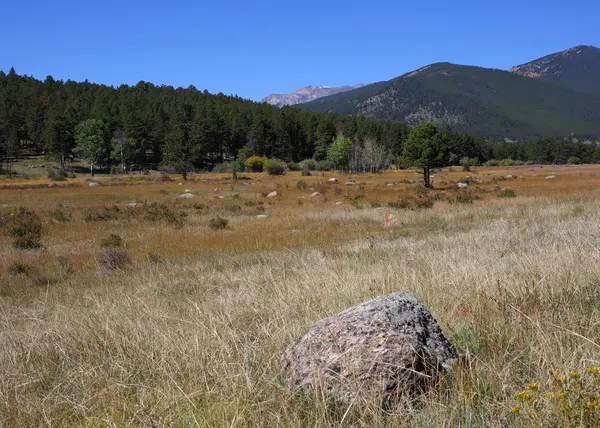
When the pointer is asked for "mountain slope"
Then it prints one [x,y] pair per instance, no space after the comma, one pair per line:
[486,102]
[308,93]
[577,68]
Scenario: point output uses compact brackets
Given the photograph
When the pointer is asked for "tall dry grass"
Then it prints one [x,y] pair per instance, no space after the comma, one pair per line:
[192,336]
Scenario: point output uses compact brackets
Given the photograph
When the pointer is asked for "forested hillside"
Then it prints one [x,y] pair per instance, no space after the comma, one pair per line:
[184,129]
[42,117]
[493,104]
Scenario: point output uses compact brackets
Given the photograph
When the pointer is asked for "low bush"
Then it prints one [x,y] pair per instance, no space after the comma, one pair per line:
[26,227]
[274,167]
[463,198]
[418,202]
[301,185]
[293,166]
[112,241]
[306,173]
[218,223]
[324,165]
[20,269]
[57,175]
[114,259]
[506,193]
[308,164]
[61,216]
[255,163]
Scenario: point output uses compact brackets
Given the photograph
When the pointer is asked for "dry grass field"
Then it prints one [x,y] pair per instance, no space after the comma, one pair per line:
[182,320]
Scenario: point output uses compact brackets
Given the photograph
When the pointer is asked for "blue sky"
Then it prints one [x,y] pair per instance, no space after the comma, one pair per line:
[254,48]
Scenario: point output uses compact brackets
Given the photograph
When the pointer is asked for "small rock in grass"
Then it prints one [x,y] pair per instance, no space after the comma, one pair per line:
[262,216]
[550,177]
[462,185]
[332,180]
[272,195]
[94,184]
[339,203]
[315,194]
[186,196]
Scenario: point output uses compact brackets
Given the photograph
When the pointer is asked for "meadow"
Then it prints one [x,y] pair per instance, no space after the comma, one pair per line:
[142,308]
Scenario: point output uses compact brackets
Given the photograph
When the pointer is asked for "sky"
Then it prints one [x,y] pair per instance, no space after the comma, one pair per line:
[254,48]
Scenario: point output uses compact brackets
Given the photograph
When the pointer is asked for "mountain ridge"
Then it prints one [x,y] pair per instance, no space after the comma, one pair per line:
[306,94]
[491,103]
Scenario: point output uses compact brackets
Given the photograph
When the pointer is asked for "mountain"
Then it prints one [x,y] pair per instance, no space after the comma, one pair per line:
[308,93]
[490,103]
[577,68]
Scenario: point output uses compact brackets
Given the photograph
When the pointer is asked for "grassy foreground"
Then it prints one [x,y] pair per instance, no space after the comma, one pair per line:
[187,328]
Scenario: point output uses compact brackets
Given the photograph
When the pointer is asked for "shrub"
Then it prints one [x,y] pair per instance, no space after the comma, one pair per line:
[20,268]
[375,204]
[506,193]
[463,198]
[161,212]
[306,173]
[113,259]
[293,166]
[26,227]
[309,164]
[413,203]
[493,162]
[571,400]
[301,185]
[105,213]
[324,165]
[222,167]
[218,223]
[574,160]
[61,216]
[255,163]
[467,163]
[112,241]
[57,175]
[274,167]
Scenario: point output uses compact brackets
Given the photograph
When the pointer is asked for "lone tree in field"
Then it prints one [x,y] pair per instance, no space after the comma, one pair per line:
[426,148]
[92,142]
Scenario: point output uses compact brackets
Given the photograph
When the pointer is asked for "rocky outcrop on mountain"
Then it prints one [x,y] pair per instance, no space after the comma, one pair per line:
[308,93]
[575,68]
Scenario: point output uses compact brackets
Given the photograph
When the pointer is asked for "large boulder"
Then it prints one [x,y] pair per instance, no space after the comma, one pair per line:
[388,345]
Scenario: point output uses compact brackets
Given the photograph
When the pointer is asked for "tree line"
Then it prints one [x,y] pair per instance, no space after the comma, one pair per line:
[185,129]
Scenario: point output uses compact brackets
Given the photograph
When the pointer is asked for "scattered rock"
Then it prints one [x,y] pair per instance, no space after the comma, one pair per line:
[272,195]
[315,194]
[332,180]
[216,189]
[509,176]
[235,195]
[411,181]
[350,183]
[295,231]
[181,184]
[550,177]
[339,203]
[94,184]
[462,185]
[8,206]
[262,216]
[390,184]
[387,345]
[187,190]
[220,197]
[186,196]
[131,204]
